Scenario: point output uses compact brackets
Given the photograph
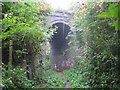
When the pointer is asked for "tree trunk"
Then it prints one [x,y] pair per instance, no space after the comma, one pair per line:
[10,52]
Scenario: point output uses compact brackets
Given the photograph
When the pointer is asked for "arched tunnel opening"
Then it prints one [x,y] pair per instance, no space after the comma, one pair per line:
[59,45]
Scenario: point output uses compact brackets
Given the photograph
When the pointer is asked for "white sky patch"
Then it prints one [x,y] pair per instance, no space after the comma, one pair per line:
[61,4]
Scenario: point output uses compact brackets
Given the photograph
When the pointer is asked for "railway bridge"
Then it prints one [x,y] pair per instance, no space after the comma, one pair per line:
[59,20]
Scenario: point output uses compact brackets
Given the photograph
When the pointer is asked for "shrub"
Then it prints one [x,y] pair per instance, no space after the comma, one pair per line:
[15,77]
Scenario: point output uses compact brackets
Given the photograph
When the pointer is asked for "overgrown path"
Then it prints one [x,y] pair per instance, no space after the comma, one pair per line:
[64,78]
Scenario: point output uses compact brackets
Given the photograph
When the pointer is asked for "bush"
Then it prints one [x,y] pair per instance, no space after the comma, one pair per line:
[97,42]
[15,77]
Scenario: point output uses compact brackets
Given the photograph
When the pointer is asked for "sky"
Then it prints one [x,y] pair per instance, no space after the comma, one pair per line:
[61,4]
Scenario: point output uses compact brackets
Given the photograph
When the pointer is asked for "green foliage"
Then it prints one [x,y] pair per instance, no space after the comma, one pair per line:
[74,76]
[113,11]
[15,77]
[20,17]
[23,23]
[54,80]
[98,43]
[0,75]
[47,78]
[98,62]
[51,78]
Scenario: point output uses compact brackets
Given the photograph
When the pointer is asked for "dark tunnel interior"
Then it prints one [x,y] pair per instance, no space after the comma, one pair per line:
[59,40]
[59,44]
